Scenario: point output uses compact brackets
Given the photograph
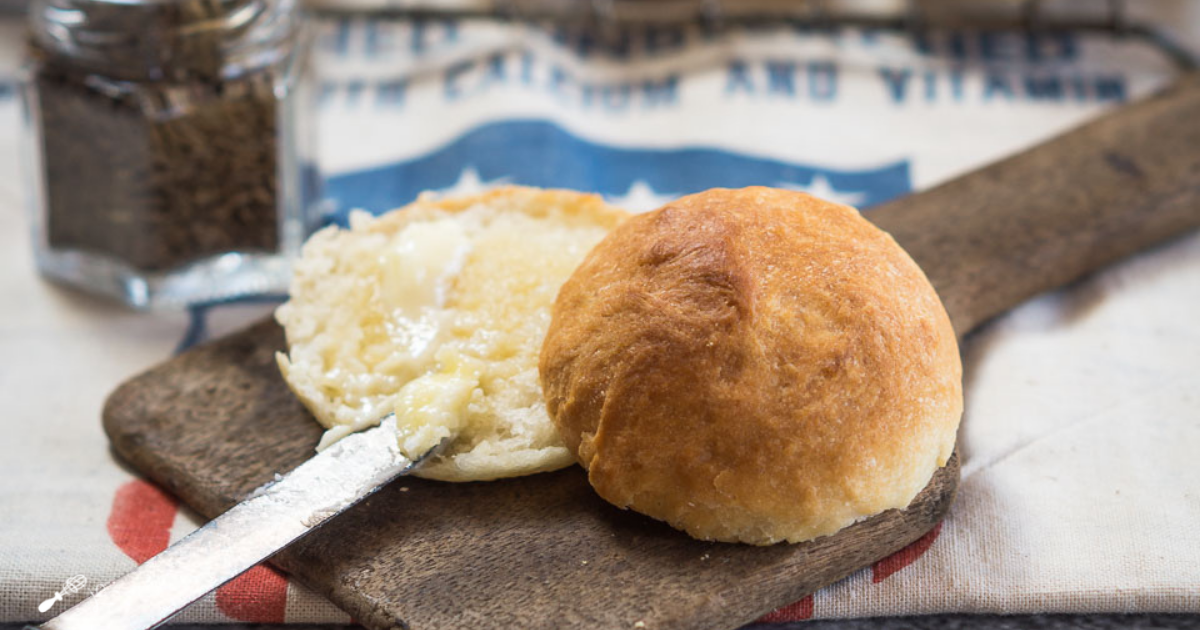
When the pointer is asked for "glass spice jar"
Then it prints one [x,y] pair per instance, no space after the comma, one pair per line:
[167,146]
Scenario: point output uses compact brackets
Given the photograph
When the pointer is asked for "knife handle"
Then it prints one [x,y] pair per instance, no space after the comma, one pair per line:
[1036,221]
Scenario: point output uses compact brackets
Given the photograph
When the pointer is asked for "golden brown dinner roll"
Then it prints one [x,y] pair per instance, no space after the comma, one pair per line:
[753,365]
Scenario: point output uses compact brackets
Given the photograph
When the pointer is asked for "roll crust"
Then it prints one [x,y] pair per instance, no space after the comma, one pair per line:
[753,365]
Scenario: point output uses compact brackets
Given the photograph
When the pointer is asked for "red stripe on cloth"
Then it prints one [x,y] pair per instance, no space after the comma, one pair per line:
[140,520]
[798,611]
[884,569]
[258,596]
[139,524]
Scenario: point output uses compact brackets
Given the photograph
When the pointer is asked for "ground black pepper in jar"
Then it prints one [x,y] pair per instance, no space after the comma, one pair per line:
[166,146]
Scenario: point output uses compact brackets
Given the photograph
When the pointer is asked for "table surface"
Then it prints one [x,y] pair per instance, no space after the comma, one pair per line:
[931,622]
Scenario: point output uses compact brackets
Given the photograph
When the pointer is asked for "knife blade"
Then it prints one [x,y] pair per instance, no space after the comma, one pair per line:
[270,519]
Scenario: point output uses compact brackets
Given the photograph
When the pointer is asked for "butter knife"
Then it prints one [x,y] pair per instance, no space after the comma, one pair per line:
[270,519]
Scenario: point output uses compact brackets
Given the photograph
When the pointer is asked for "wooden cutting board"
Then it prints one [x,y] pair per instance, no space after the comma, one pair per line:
[543,551]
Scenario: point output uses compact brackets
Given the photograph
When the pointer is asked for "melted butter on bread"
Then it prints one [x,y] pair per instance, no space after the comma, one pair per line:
[415,271]
[437,312]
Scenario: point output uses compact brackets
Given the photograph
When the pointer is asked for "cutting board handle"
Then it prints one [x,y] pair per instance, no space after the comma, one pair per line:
[1043,218]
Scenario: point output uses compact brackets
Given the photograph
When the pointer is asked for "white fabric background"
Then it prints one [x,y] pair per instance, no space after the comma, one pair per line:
[1081,486]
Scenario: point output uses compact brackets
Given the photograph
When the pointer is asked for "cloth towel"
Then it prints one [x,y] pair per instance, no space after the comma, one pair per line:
[1080,486]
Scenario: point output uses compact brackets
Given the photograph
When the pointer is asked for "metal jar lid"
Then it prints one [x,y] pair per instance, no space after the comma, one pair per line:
[164,39]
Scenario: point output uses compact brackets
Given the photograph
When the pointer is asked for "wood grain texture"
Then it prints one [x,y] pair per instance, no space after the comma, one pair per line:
[216,422]
[537,552]
[1045,217]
